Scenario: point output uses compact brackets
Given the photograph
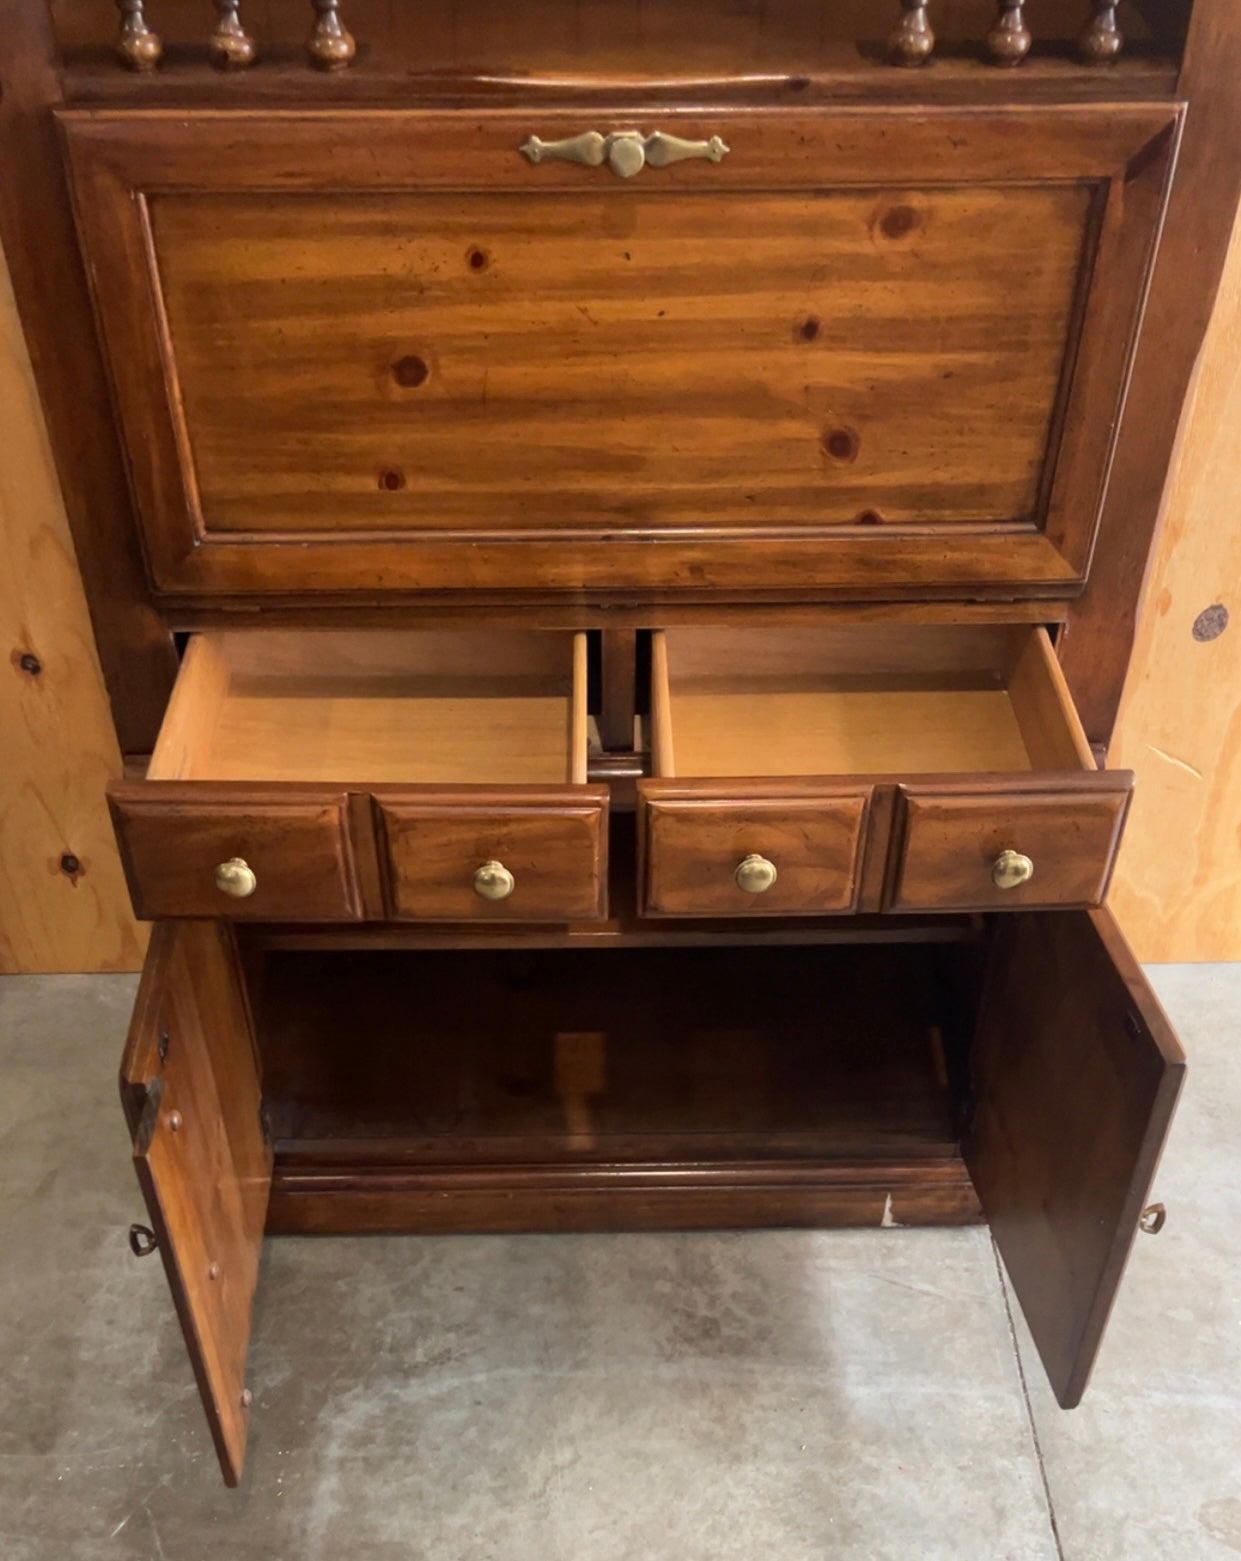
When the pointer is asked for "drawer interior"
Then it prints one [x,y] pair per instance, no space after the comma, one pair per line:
[378,706]
[868,699]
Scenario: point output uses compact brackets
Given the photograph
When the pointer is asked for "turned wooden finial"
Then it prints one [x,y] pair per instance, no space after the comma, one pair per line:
[1101,40]
[912,42]
[331,44]
[137,46]
[231,46]
[1009,40]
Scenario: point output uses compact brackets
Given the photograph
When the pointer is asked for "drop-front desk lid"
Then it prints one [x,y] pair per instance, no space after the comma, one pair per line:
[844,354]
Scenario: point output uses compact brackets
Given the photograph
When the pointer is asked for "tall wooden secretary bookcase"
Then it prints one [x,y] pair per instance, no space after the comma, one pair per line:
[614,533]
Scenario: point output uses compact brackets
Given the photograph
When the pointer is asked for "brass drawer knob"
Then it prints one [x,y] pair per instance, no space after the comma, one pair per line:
[756,874]
[493,881]
[1011,869]
[236,878]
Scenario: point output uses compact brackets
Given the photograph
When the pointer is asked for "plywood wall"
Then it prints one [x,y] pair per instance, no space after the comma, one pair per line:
[63,903]
[1177,891]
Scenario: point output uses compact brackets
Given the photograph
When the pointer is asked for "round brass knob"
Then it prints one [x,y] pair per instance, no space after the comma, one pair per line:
[236,878]
[756,874]
[626,154]
[493,881]
[1011,869]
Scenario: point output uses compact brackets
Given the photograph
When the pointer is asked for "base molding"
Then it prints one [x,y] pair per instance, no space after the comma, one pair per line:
[401,1199]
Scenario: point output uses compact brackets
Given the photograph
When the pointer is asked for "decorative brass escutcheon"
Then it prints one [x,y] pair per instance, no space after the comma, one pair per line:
[1011,869]
[755,875]
[494,881]
[626,152]
[236,878]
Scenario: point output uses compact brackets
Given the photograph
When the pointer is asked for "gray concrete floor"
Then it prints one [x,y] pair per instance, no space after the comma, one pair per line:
[780,1394]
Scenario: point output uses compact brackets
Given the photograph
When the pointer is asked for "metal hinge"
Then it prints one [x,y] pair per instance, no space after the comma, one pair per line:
[150,1114]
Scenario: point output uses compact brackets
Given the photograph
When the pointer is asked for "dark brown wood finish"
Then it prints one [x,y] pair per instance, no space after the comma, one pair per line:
[694,839]
[982,714]
[1098,640]
[716,495]
[36,229]
[175,835]
[1075,1074]
[190,1084]
[896,374]
[552,843]
[618,700]
[642,1089]
[951,837]
[549,49]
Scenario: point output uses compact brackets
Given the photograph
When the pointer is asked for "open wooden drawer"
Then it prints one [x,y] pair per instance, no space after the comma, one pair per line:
[332,775]
[1021,1071]
[800,772]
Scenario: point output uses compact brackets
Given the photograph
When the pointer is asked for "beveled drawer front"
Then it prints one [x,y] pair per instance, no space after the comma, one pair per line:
[788,853]
[541,856]
[260,854]
[1004,849]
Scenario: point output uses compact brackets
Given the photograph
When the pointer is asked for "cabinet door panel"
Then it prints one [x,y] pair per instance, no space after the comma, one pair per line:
[190,1085]
[1075,1075]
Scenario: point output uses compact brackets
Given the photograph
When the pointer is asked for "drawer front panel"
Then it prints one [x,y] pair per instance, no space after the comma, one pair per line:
[553,849]
[176,837]
[828,358]
[952,839]
[694,847]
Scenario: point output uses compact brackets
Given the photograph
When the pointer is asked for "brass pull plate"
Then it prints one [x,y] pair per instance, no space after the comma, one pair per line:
[626,152]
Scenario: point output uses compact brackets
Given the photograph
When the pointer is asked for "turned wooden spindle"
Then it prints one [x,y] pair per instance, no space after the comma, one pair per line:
[912,42]
[331,44]
[137,46]
[1009,40]
[231,46]
[1101,40]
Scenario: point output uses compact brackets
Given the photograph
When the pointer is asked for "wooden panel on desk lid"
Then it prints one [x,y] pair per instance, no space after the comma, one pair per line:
[813,353]
[63,902]
[1177,888]
[417,361]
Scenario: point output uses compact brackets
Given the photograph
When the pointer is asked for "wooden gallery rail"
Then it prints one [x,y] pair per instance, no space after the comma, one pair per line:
[331,46]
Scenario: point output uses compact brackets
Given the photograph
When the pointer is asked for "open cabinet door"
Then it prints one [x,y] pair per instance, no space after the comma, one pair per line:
[190,1086]
[1075,1074]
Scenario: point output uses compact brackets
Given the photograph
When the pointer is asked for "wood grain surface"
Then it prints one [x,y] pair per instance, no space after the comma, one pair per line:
[1075,1074]
[555,48]
[296,840]
[63,905]
[694,838]
[190,1085]
[639,1089]
[554,842]
[1177,889]
[393,329]
[611,357]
